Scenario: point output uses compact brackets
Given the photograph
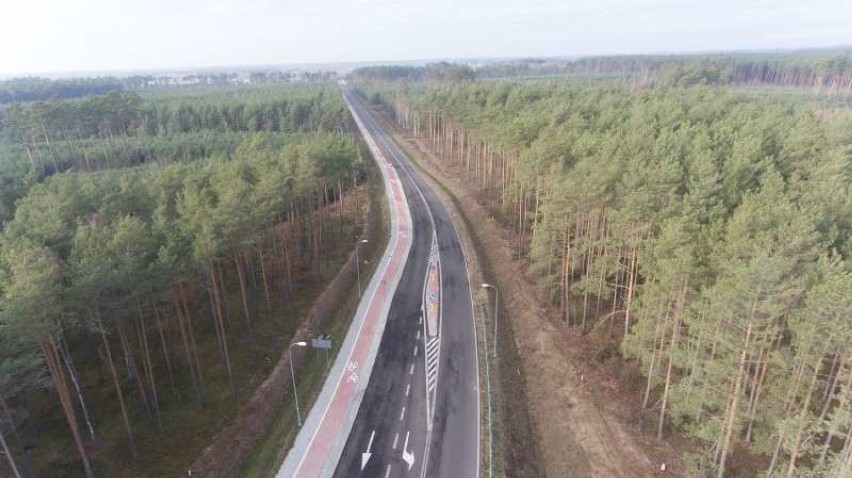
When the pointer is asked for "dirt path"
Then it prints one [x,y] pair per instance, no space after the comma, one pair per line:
[577,435]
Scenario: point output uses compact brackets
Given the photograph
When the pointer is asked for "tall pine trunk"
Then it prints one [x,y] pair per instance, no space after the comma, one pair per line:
[65,355]
[732,409]
[119,394]
[9,457]
[165,347]
[241,273]
[50,354]
[152,383]
[132,369]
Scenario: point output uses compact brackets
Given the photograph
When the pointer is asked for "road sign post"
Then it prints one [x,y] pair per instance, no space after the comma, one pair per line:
[322,341]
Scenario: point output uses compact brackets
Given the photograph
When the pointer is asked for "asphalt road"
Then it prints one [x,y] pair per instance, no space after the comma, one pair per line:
[399,430]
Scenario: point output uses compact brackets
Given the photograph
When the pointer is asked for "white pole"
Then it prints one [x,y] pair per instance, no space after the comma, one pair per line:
[496,315]
[293,375]
[496,311]
[358,269]
[9,457]
[358,264]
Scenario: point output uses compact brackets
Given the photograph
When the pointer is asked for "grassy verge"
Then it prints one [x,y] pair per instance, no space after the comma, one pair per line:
[272,448]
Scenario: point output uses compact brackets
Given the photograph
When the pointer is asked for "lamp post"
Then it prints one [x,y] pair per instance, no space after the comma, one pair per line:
[496,311]
[293,375]
[358,264]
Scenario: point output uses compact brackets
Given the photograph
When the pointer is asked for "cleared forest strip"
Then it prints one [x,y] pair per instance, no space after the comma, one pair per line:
[493,437]
[575,436]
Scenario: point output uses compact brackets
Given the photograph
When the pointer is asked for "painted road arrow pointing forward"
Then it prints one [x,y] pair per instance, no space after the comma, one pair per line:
[365,457]
[407,457]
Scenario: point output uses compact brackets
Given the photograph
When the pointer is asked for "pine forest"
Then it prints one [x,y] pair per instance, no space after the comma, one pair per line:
[155,254]
[707,230]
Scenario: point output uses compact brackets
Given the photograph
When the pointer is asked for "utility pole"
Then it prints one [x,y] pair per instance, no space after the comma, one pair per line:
[358,264]
[496,311]
[293,375]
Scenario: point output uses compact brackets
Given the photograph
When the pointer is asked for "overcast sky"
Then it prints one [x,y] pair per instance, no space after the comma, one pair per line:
[38,36]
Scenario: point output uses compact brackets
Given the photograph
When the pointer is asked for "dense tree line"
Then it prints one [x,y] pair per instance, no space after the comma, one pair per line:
[20,90]
[524,68]
[710,231]
[441,72]
[226,78]
[156,275]
[57,135]
[820,70]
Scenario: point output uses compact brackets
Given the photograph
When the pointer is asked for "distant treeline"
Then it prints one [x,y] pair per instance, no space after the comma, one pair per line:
[34,89]
[710,232]
[22,90]
[272,77]
[120,129]
[441,71]
[824,70]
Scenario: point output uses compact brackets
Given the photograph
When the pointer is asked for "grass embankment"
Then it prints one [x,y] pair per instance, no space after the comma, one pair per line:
[272,448]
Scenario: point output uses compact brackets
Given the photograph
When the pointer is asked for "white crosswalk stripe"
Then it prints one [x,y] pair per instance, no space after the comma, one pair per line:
[432,350]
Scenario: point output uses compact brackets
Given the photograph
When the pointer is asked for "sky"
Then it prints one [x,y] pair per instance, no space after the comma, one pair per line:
[51,36]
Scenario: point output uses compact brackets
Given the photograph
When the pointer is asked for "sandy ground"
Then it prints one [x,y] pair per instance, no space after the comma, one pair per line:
[584,422]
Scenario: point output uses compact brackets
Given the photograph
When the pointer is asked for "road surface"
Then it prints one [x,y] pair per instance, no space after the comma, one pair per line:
[421,406]
[402,397]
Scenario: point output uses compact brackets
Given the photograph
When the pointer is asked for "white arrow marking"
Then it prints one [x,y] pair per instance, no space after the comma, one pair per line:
[407,457]
[365,457]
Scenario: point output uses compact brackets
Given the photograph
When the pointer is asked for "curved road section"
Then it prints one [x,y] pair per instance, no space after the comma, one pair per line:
[403,396]
[324,433]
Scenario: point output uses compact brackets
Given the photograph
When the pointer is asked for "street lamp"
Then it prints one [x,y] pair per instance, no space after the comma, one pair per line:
[496,311]
[293,374]
[358,264]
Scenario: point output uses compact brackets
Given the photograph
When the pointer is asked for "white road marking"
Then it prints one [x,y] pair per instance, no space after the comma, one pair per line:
[395,439]
[433,360]
[418,335]
[415,350]
[407,457]
[387,473]
[407,389]
[365,457]
[411,372]
[401,416]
